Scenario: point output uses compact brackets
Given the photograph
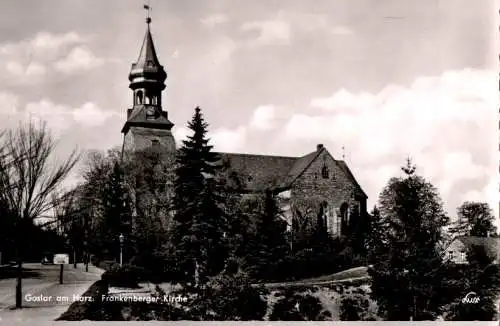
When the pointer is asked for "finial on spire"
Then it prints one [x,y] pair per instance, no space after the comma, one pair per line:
[148,10]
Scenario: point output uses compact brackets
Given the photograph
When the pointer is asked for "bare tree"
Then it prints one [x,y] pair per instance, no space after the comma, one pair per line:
[29,179]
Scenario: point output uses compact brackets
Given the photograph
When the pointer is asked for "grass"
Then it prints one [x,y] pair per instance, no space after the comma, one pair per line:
[347,275]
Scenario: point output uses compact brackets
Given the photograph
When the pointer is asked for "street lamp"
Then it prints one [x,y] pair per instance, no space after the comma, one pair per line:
[121,238]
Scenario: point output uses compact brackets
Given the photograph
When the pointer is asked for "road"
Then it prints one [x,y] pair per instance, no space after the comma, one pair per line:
[43,297]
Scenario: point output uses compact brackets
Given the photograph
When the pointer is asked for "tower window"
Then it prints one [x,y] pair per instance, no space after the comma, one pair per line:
[140,96]
[324,172]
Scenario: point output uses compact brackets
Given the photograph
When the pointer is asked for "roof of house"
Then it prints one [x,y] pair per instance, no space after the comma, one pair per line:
[260,172]
[491,244]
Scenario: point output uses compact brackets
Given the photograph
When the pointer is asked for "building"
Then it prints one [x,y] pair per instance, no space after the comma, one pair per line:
[303,183]
[456,251]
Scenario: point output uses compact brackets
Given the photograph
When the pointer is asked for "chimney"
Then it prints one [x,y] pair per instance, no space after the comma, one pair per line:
[319,147]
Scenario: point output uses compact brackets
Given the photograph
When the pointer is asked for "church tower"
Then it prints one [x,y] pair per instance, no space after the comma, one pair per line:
[147,123]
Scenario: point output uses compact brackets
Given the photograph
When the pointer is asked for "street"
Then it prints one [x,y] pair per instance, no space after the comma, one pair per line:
[43,297]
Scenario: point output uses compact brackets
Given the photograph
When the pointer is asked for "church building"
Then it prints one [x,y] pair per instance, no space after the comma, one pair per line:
[315,177]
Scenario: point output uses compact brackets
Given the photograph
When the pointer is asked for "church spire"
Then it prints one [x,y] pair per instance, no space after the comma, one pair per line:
[147,72]
[147,123]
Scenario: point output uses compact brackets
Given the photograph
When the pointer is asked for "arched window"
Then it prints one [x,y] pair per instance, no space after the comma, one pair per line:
[140,97]
[344,216]
[324,172]
[326,215]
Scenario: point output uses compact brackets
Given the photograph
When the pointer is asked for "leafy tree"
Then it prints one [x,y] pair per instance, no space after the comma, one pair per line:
[28,180]
[116,215]
[268,246]
[474,219]
[199,219]
[149,179]
[405,279]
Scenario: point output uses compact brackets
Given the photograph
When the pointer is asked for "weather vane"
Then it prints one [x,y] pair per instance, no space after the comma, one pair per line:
[147,7]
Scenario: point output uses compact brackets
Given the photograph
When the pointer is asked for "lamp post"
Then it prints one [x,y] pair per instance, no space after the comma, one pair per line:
[121,238]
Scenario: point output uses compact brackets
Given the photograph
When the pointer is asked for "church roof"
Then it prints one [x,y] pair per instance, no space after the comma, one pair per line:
[261,172]
[138,117]
[147,65]
[148,52]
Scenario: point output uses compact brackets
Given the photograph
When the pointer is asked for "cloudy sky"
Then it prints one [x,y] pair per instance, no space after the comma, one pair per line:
[386,79]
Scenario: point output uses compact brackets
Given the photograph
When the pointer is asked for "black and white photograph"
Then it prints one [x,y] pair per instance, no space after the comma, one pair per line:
[263,161]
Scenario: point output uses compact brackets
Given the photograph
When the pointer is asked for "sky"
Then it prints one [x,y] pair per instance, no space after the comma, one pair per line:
[385,79]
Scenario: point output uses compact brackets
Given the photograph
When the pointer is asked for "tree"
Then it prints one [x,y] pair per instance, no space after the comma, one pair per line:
[375,241]
[405,279]
[28,180]
[149,176]
[268,245]
[480,278]
[70,222]
[92,197]
[474,219]
[116,214]
[199,219]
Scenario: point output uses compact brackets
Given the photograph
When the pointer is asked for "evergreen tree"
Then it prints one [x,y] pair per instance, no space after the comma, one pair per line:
[199,220]
[268,246]
[375,241]
[474,219]
[405,280]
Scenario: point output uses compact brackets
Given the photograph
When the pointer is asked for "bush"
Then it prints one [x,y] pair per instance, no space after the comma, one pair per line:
[356,307]
[91,310]
[126,276]
[229,297]
[299,307]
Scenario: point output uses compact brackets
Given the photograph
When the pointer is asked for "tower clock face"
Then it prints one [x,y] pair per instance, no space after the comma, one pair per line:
[150,111]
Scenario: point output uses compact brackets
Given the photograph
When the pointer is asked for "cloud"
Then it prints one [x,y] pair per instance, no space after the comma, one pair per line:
[446,123]
[32,72]
[262,117]
[31,60]
[341,30]
[61,117]
[213,20]
[9,104]
[221,51]
[228,140]
[44,45]
[223,139]
[79,58]
[269,32]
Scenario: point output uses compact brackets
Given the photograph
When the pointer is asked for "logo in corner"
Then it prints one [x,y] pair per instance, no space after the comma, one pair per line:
[471,297]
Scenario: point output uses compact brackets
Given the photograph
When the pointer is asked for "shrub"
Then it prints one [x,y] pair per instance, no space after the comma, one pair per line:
[82,310]
[299,307]
[229,297]
[123,276]
[355,307]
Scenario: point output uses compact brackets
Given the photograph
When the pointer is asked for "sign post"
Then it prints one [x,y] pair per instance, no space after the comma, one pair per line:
[61,259]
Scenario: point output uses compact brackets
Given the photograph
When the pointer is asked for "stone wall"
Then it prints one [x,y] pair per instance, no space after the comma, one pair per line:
[139,138]
[312,189]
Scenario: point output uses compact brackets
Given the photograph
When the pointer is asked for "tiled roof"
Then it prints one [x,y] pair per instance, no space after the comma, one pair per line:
[260,172]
